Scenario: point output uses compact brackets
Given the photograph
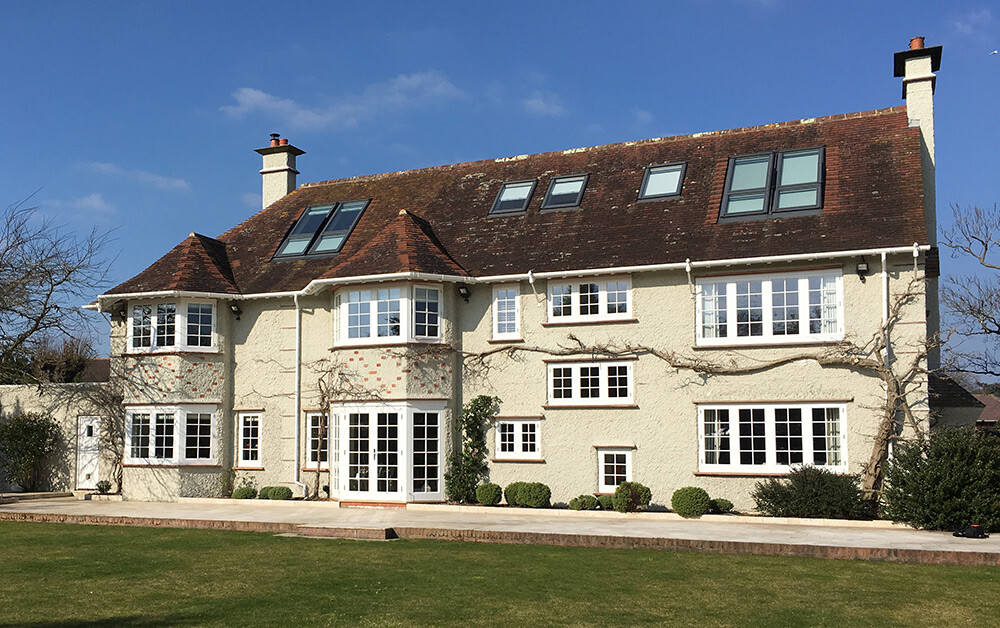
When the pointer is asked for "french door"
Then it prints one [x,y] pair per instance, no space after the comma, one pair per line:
[387,452]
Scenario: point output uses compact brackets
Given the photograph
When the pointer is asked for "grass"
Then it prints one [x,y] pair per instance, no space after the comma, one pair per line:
[83,576]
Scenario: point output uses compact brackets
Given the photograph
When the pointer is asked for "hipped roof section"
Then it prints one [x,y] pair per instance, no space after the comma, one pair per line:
[873,199]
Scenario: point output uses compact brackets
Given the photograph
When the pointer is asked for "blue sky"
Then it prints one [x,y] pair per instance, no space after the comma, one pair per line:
[143,116]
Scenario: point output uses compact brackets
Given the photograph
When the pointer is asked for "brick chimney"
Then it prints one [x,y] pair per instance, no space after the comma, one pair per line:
[917,66]
[279,170]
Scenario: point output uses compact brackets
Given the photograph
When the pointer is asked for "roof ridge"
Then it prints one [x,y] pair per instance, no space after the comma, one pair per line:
[670,138]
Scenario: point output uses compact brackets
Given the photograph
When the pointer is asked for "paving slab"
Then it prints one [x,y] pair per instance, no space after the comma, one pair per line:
[509,525]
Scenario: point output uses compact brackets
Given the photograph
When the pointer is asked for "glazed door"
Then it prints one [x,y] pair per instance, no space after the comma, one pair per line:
[373,456]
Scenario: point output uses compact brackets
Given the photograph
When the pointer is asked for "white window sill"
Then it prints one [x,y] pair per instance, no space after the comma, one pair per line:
[139,351]
[766,341]
[595,320]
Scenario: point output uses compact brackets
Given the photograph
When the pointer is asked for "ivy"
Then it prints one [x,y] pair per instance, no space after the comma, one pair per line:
[468,466]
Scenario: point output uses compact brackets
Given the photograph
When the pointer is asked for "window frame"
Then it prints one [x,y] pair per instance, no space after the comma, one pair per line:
[648,173]
[547,201]
[179,414]
[495,312]
[319,464]
[407,315]
[603,397]
[772,186]
[602,486]
[241,446]
[770,436]
[575,305]
[312,240]
[180,325]
[767,307]
[494,211]
[519,426]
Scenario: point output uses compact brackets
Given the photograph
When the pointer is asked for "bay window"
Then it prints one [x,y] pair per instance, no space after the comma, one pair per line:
[171,435]
[177,326]
[389,314]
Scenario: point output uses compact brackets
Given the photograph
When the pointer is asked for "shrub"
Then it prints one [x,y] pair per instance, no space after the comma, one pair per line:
[513,492]
[26,440]
[584,502]
[535,495]
[690,502]
[956,483]
[276,492]
[811,492]
[245,492]
[104,487]
[719,505]
[489,494]
[607,502]
[631,497]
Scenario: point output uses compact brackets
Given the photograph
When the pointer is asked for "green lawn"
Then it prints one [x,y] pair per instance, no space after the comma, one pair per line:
[65,575]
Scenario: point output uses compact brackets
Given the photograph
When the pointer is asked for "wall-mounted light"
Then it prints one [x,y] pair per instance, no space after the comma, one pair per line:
[463,291]
[236,309]
[861,269]
[122,314]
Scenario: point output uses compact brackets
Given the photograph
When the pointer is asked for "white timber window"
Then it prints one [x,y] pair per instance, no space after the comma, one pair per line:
[590,300]
[249,440]
[506,312]
[389,314]
[606,383]
[187,325]
[771,438]
[614,466]
[171,435]
[770,309]
[318,443]
[518,439]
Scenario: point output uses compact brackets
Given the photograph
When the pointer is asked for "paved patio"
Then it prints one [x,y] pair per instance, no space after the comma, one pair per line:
[719,534]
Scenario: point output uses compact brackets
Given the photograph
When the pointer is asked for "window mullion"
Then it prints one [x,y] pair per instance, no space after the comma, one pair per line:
[767,305]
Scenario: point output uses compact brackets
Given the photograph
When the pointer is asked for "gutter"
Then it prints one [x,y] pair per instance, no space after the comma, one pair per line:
[316,285]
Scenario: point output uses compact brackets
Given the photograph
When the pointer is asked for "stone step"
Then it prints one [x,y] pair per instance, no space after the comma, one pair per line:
[336,532]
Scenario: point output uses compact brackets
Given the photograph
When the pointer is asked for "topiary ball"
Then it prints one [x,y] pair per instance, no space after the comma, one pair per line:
[606,502]
[245,492]
[584,502]
[489,494]
[691,502]
[631,497]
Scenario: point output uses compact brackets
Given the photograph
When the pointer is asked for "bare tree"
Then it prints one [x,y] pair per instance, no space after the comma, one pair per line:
[973,301]
[46,273]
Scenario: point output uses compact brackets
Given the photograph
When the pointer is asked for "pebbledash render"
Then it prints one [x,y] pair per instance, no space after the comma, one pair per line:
[379,295]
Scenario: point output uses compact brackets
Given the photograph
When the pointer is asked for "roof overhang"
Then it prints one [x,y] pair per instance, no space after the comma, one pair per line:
[317,285]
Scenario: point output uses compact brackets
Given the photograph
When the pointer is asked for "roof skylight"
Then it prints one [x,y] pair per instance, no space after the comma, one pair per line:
[565,191]
[663,180]
[322,229]
[513,197]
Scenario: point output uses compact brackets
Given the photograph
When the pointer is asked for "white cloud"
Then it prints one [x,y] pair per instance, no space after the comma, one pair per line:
[404,92]
[972,22]
[543,104]
[141,176]
[642,117]
[90,203]
[252,200]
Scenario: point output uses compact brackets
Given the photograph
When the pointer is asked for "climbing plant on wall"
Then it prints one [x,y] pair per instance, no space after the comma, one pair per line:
[468,466]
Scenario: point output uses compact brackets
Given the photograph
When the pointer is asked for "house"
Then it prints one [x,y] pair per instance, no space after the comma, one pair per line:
[385,302]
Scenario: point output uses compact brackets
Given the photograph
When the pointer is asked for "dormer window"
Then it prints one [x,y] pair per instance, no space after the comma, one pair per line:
[662,181]
[322,229]
[773,183]
[513,197]
[565,192]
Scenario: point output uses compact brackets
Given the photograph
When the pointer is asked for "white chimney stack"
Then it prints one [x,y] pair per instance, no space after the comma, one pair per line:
[279,170]
[917,67]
